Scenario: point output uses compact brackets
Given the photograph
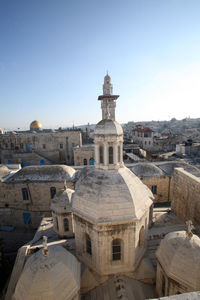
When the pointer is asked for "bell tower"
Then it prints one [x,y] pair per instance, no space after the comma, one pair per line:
[108,100]
[108,136]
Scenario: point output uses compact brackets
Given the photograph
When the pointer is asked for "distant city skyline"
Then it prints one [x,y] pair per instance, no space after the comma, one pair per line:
[54,56]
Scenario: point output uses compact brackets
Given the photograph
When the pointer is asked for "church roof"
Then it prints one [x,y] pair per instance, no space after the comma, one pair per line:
[146,170]
[168,167]
[110,195]
[121,287]
[4,171]
[61,201]
[55,276]
[180,258]
[50,173]
[108,127]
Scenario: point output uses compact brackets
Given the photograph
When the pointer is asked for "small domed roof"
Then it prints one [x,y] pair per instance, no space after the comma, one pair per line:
[107,77]
[55,276]
[180,258]
[4,170]
[110,196]
[145,169]
[108,127]
[35,125]
[61,201]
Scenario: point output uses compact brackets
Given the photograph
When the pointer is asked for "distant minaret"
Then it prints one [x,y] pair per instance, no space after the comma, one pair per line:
[108,100]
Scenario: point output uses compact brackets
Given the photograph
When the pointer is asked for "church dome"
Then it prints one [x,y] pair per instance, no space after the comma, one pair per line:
[35,125]
[180,258]
[108,127]
[61,201]
[110,196]
[55,276]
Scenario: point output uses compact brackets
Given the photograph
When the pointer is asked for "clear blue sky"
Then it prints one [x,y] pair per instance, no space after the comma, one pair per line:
[55,53]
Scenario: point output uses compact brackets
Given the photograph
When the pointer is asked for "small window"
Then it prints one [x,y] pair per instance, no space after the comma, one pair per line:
[21,146]
[88,245]
[119,153]
[149,142]
[56,220]
[116,249]
[52,191]
[6,145]
[85,162]
[163,285]
[66,224]
[101,154]
[154,189]
[12,146]
[44,146]
[25,194]
[110,150]
[61,146]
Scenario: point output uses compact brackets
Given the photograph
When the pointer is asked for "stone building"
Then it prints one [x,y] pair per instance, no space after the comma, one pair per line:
[159,177]
[107,204]
[25,197]
[143,136]
[178,264]
[39,146]
[62,214]
[155,179]
[84,155]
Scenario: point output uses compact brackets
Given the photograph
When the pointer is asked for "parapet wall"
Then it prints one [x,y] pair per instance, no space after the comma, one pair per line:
[186,196]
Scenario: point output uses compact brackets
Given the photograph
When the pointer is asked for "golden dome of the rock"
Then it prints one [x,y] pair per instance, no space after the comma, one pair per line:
[35,125]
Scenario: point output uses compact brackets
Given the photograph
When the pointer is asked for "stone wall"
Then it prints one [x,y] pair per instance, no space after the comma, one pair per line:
[163,187]
[83,153]
[166,286]
[13,207]
[186,196]
[55,146]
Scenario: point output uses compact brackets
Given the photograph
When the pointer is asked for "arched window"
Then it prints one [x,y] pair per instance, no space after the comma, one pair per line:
[66,224]
[141,237]
[56,223]
[101,154]
[116,249]
[88,244]
[119,153]
[85,162]
[110,151]
[52,191]
[163,285]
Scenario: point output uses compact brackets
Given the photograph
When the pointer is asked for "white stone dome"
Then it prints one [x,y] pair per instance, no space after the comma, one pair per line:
[108,127]
[56,276]
[110,196]
[61,201]
[180,258]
